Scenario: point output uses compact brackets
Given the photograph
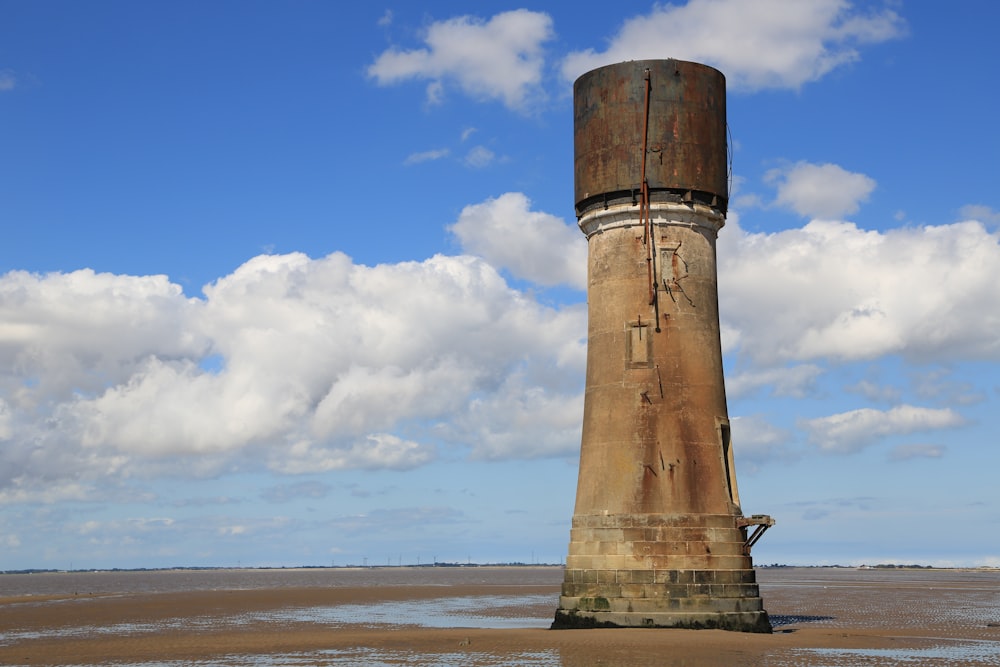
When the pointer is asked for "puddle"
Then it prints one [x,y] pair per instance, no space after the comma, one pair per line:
[970,653]
[488,612]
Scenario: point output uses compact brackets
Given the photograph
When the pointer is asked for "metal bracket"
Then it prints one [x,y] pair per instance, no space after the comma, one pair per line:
[762,523]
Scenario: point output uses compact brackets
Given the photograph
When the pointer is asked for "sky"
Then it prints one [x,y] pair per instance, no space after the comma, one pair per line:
[300,283]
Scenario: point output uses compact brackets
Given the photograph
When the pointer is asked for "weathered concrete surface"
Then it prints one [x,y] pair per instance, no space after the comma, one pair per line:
[655,539]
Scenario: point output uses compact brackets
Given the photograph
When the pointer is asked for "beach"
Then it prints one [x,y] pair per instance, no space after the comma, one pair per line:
[486,617]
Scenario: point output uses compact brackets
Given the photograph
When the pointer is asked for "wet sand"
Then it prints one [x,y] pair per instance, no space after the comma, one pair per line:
[817,618]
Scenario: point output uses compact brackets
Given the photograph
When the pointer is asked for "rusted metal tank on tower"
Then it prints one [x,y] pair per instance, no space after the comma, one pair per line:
[658,536]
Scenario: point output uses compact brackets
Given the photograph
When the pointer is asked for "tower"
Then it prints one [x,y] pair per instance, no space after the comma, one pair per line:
[658,537]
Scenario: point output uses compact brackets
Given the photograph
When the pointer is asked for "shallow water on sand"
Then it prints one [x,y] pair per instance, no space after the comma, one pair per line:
[364,657]
[956,614]
[944,654]
[473,611]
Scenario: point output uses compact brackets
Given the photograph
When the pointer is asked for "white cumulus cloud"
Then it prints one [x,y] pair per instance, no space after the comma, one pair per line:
[533,245]
[83,331]
[755,43]
[501,58]
[522,420]
[825,191]
[291,363]
[833,290]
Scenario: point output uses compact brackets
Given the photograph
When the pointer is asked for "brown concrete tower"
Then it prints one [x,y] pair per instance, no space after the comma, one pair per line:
[658,536]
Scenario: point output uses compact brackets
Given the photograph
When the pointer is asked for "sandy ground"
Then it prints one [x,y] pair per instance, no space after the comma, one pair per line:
[233,627]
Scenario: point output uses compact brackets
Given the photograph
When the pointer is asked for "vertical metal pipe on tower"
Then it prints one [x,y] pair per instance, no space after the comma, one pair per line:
[658,537]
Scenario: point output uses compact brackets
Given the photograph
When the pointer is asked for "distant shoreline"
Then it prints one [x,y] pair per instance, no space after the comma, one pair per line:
[293,568]
[484,566]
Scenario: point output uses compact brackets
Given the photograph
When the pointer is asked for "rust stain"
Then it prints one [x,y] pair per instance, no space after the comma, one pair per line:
[687,122]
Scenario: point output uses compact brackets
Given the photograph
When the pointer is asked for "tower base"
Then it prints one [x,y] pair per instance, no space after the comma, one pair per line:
[660,571]
[695,606]
[757,621]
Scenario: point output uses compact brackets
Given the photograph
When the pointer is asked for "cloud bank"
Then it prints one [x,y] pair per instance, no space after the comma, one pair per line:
[299,364]
[758,44]
[293,363]
[833,290]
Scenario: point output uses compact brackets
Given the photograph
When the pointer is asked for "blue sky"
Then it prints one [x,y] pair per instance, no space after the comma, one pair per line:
[300,282]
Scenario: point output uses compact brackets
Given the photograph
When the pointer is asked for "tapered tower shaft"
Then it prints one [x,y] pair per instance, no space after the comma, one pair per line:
[658,536]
